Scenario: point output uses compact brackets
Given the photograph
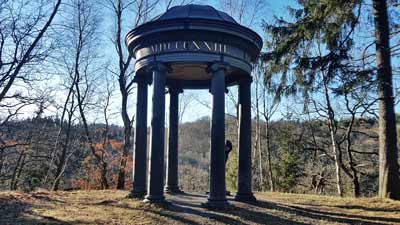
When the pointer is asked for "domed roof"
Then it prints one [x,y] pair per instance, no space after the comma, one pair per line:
[192,11]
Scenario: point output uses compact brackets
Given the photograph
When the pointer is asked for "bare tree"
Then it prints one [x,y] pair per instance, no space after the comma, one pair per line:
[184,102]
[140,11]
[23,25]
[23,44]
[258,142]
[269,108]
[167,4]
[83,66]
[245,12]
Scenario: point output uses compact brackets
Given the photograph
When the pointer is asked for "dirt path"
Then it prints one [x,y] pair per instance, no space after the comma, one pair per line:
[111,207]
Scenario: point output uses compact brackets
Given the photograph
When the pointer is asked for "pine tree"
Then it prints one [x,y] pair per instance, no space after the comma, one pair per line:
[332,24]
[288,170]
[389,180]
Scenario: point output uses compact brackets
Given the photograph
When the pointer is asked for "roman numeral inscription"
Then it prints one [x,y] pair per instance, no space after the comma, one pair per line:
[190,46]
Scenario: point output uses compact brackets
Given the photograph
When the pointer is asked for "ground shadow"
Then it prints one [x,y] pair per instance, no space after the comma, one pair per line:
[326,215]
[230,215]
[264,215]
[366,208]
[187,209]
[14,210]
[186,213]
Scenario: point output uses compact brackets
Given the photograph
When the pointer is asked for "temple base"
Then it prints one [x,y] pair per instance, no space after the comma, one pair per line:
[155,199]
[245,197]
[216,204]
[137,194]
[173,190]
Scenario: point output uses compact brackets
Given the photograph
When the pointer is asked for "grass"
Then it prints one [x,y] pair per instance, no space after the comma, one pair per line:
[112,207]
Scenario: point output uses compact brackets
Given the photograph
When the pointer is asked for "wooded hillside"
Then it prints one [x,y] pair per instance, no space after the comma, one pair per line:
[325,92]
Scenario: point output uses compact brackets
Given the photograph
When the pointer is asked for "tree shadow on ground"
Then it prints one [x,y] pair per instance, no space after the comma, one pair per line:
[14,210]
[360,207]
[327,215]
[265,212]
[193,195]
[231,215]
[186,213]
[187,209]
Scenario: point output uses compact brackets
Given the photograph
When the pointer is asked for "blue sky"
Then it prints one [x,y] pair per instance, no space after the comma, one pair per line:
[195,109]
[198,100]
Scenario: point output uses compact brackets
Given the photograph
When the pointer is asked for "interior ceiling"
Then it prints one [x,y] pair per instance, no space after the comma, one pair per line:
[195,72]
[189,72]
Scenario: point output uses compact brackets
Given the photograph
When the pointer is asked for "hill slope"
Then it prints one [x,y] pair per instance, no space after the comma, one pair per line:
[111,207]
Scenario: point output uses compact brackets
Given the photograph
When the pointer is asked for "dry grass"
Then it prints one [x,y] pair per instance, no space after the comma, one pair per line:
[112,207]
[337,210]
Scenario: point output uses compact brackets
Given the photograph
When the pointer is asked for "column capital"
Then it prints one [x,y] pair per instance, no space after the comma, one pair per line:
[174,89]
[143,79]
[217,66]
[245,80]
[159,66]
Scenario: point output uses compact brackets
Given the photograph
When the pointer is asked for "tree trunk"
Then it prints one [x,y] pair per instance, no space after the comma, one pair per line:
[352,164]
[1,160]
[62,159]
[99,159]
[389,181]
[14,174]
[124,89]
[127,136]
[354,178]
[269,161]
[258,141]
[19,172]
[337,167]
[332,131]
[104,181]
[82,32]
[258,144]
[124,158]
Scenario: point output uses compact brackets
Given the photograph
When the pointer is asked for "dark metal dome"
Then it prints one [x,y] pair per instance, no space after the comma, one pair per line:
[192,11]
[190,38]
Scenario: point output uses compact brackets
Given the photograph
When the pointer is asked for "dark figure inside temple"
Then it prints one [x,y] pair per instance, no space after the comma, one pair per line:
[228,149]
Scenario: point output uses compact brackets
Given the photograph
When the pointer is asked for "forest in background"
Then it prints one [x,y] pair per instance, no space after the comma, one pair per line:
[298,161]
[323,97]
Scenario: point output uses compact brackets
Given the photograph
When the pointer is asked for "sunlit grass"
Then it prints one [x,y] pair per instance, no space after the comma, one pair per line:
[112,207]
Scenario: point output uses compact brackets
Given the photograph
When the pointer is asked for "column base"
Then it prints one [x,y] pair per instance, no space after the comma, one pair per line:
[173,190]
[137,193]
[157,199]
[215,204]
[245,197]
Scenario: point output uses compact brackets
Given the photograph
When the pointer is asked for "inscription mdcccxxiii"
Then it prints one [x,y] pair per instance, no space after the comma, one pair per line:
[215,47]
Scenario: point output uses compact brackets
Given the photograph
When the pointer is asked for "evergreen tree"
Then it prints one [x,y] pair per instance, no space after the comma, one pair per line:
[320,39]
[288,170]
[389,180]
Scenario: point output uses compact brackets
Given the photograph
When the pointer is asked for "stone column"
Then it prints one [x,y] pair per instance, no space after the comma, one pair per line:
[244,172]
[217,194]
[140,153]
[172,163]
[155,193]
